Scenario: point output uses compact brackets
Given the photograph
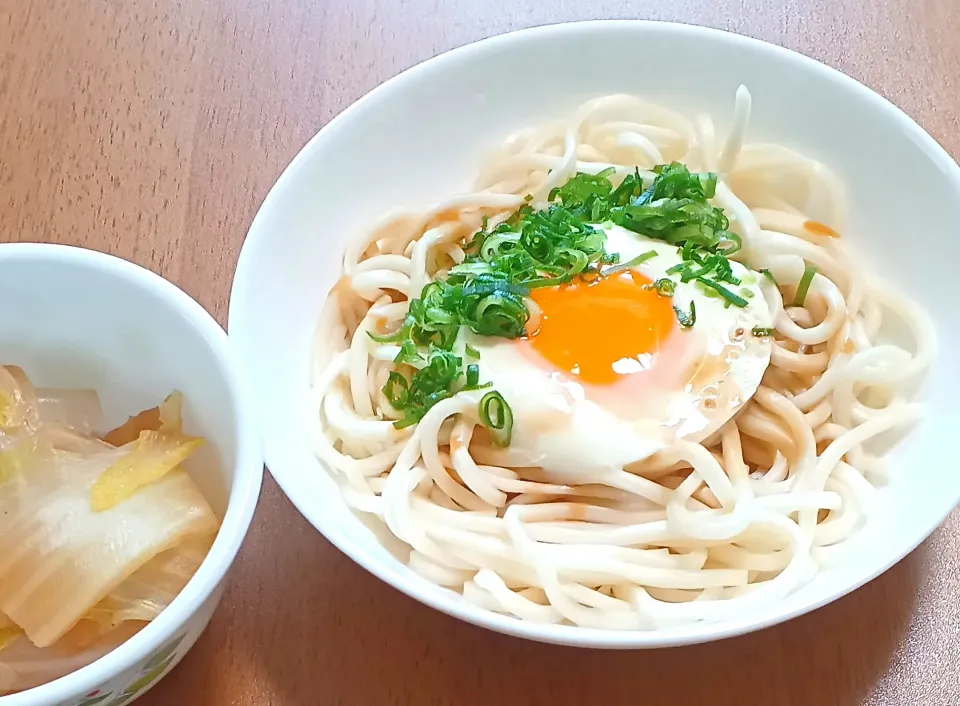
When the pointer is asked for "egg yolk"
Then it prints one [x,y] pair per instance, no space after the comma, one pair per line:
[604,329]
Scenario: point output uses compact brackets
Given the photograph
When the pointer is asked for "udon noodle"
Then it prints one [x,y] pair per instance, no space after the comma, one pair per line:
[738,521]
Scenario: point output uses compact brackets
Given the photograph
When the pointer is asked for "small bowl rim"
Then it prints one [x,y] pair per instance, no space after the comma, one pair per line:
[244,490]
[419,589]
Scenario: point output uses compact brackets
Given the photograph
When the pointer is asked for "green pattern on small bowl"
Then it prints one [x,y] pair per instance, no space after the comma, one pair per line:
[150,672]
[162,655]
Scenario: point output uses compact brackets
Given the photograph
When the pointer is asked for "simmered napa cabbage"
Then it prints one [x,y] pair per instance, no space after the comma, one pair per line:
[153,586]
[91,536]
[59,557]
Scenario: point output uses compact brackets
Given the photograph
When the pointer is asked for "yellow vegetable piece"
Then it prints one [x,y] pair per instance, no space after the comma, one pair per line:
[160,447]
[9,632]
[149,459]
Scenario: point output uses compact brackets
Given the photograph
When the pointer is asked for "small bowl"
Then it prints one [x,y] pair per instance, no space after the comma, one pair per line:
[420,138]
[77,318]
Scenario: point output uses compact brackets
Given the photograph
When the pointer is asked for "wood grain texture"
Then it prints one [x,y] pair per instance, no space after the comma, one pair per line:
[153,130]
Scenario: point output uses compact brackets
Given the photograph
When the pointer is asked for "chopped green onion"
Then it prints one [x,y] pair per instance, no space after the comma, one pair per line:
[395,337]
[665,287]
[710,264]
[497,417]
[550,282]
[760,332]
[408,354]
[549,245]
[769,275]
[436,381]
[808,273]
[407,421]
[725,270]
[736,240]
[638,260]
[397,389]
[731,297]
[745,293]
[683,318]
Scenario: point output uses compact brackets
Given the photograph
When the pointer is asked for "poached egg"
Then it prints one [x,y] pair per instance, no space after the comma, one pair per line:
[608,376]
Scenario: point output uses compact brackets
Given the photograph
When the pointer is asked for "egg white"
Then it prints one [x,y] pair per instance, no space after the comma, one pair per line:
[572,429]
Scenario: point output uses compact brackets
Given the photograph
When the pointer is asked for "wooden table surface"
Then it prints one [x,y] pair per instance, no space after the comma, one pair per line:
[153,130]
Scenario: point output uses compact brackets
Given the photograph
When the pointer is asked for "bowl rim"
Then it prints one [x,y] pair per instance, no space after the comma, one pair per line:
[244,490]
[419,589]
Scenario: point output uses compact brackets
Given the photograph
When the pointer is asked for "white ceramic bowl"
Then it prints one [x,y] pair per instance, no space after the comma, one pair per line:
[419,138]
[77,318]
